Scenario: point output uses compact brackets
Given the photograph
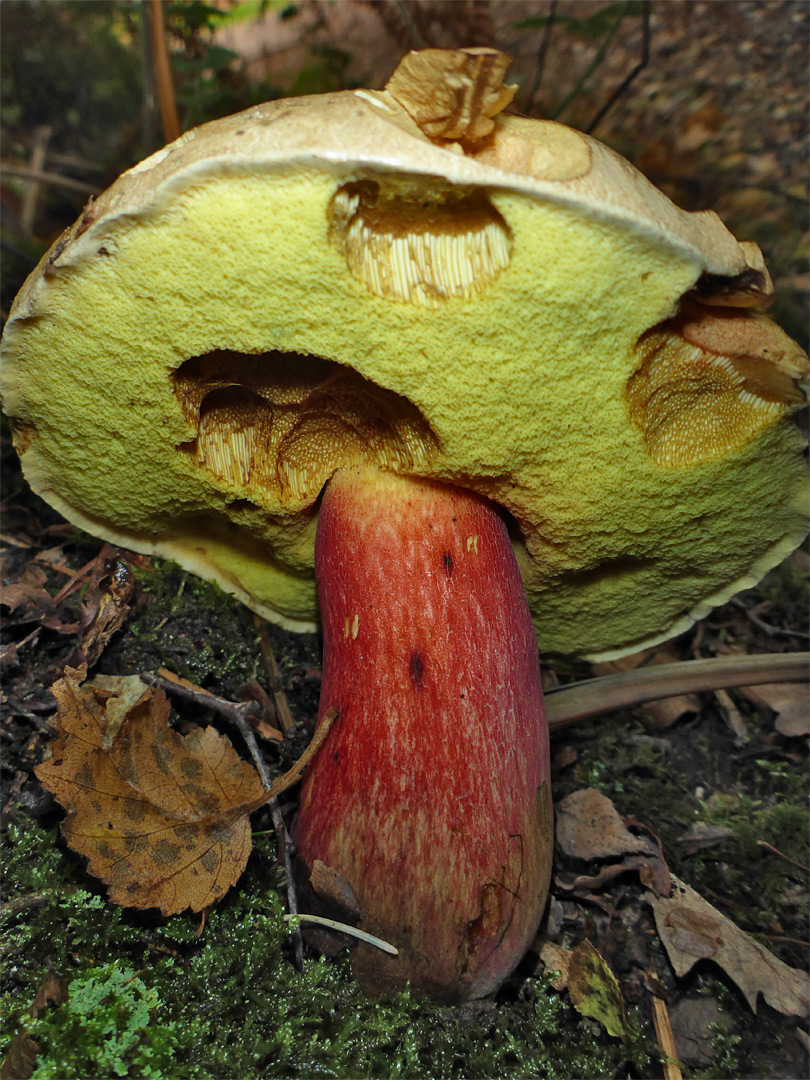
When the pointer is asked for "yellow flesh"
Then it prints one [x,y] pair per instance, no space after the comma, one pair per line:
[524,386]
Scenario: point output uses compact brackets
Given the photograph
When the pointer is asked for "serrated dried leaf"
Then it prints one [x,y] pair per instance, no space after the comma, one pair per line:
[691,930]
[589,827]
[163,818]
[594,990]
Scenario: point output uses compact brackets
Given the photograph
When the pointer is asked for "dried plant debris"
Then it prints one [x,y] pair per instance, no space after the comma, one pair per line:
[163,818]
[21,1057]
[594,990]
[589,827]
[29,601]
[691,930]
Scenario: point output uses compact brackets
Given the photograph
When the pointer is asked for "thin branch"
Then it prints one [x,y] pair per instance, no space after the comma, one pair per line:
[622,87]
[238,714]
[765,627]
[781,854]
[626,690]
[42,176]
[413,30]
[273,676]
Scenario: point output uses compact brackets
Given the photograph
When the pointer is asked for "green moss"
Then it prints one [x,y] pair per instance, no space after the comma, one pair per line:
[147,993]
[173,629]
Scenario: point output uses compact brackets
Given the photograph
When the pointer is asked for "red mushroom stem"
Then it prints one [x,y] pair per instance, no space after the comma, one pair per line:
[431,794]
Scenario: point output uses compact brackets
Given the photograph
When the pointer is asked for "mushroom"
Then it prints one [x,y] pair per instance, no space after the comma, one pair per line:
[468,351]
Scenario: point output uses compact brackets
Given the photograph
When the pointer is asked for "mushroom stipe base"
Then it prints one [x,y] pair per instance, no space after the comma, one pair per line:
[430,796]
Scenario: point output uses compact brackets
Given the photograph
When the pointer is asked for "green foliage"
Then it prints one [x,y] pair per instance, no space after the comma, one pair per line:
[106,1029]
[209,80]
[78,54]
[592,27]
[149,998]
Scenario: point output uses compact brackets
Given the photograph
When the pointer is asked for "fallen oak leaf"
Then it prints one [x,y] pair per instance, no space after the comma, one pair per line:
[691,930]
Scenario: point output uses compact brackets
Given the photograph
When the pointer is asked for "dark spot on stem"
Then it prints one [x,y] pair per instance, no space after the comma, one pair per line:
[447,563]
[417,669]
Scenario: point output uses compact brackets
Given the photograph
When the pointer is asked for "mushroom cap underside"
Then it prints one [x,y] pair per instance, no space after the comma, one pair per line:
[254,307]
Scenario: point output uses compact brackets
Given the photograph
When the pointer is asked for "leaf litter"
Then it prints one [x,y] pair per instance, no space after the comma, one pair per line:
[691,930]
[163,818]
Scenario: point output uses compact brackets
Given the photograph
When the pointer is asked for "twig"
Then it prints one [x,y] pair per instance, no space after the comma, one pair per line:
[74,583]
[42,137]
[43,176]
[666,1040]
[346,928]
[566,704]
[776,851]
[291,776]
[767,628]
[625,83]
[231,710]
[165,619]
[413,30]
[273,676]
[275,789]
[19,904]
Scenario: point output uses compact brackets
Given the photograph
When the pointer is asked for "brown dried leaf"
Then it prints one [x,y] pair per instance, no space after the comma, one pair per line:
[162,818]
[787,701]
[556,958]
[691,930]
[21,1058]
[665,713]
[106,603]
[53,991]
[652,871]
[588,827]
[334,891]
[29,601]
[453,93]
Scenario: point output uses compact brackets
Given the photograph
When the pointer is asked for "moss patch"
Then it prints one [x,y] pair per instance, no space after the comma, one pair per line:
[147,997]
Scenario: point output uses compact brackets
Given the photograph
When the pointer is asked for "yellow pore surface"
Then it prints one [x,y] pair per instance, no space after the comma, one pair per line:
[522,384]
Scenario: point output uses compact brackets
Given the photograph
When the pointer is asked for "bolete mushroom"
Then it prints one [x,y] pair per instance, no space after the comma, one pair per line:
[506,357]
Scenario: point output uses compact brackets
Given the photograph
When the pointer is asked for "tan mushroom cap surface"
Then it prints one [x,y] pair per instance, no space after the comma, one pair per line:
[314,283]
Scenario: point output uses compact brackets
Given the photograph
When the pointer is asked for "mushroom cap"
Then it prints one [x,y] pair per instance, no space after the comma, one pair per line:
[314,283]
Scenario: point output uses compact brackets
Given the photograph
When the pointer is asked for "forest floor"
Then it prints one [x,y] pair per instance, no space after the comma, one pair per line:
[717,782]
